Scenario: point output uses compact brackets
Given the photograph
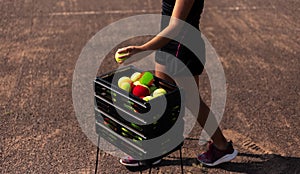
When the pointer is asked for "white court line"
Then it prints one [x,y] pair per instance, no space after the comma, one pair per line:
[237,8]
[103,12]
[149,11]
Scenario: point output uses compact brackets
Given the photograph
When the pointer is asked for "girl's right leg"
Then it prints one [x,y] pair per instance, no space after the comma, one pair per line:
[220,150]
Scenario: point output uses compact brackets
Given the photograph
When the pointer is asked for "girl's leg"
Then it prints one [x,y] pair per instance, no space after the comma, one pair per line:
[218,137]
[220,150]
[159,72]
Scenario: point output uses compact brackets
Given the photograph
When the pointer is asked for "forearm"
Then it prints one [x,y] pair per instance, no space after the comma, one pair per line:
[156,43]
[176,23]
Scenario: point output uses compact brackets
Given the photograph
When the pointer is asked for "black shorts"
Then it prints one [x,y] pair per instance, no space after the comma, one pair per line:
[166,54]
[174,50]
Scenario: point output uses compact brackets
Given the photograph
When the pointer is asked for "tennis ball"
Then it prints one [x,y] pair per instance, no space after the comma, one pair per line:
[159,92]
[141,90]
[136,126]
[147,98]
[146,78]
[123,79]
[126,86]
[152,88]
[136,83]
[117,57]
[135,76]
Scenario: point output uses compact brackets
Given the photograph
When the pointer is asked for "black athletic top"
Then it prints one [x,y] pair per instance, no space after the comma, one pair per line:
[194,15]
[175,48]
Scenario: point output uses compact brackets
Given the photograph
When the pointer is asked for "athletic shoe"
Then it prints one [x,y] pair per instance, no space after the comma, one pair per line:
[130,162]
[214,156]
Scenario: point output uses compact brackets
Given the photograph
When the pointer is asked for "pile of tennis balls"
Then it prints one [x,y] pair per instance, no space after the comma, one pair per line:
[141,85]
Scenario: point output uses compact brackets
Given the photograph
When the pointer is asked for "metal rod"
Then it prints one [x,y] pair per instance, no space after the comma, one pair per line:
[150,168]
[140,167]
[181,163]
[97,155]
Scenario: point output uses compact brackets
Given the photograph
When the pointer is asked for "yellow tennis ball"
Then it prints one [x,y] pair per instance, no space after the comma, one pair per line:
[136,83]
[117,57]
[147,98]
[135,76]
[126,86]
[123,79]
[159,92]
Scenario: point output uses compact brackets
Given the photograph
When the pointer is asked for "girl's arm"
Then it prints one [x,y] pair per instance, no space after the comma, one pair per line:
[180,11]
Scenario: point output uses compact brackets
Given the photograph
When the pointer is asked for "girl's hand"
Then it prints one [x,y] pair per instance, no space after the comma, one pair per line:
[127,52]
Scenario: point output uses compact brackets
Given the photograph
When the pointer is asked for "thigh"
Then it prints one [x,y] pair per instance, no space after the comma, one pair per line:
[160,73]
[189,84]
[190,87]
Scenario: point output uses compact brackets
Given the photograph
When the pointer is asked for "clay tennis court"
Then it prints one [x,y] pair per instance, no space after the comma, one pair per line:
[40,41]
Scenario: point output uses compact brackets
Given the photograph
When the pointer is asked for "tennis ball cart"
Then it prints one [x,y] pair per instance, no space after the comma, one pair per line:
[145,130]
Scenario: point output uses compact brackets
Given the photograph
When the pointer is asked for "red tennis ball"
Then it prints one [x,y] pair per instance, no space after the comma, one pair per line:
[146,78]
[141,90]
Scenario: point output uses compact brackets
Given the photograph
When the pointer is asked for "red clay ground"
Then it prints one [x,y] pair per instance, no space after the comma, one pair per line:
[40,42]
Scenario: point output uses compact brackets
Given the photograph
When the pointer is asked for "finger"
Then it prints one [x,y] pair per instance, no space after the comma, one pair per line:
[123,50]
[124,55]
[120,62]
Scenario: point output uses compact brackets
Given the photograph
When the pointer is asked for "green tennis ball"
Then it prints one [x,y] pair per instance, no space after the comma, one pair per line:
[146,78]
[123,79]
[152,89]
[159,92]
[117,57]
[136,126]
[124,134]
[126,86]
[135,76]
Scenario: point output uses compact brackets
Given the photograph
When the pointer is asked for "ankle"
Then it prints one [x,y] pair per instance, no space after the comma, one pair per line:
[221,146]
